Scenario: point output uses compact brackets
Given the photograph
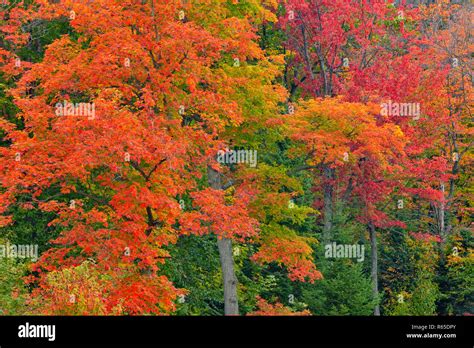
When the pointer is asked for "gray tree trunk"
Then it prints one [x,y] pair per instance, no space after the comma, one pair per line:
[231,303]
[374,267]
[441,222]
[328,203]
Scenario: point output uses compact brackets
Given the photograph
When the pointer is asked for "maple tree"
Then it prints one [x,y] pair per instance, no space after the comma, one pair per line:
[343,48]
[277,309]
[158,120]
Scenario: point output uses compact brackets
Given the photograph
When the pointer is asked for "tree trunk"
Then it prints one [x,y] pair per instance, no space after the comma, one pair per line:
[328,203]
[441,223]
[374,267]
[449,200]
[231,303]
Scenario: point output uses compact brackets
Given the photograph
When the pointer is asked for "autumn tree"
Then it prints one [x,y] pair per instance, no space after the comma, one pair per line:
[126,118]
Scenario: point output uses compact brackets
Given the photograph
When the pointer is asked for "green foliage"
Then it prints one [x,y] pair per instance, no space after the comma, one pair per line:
[197,270]
[13,292]
[420,292]
[457,276]
[345,290]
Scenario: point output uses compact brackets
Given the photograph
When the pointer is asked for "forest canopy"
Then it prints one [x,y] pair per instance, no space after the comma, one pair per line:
[237,157]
